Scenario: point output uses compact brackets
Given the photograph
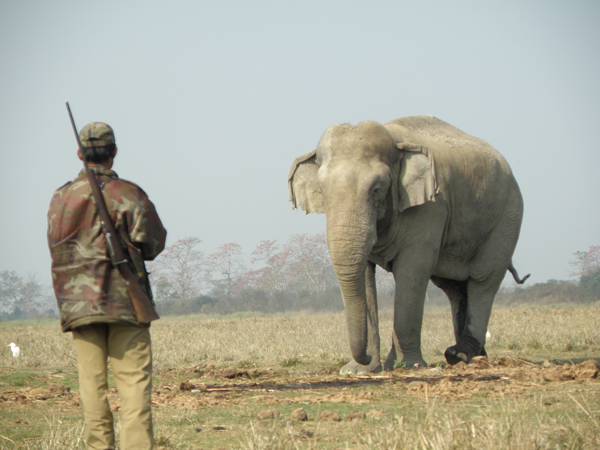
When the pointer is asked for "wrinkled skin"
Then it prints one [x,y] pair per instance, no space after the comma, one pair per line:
[423,200]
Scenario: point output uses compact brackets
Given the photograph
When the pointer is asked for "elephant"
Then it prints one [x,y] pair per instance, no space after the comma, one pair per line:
[425,201]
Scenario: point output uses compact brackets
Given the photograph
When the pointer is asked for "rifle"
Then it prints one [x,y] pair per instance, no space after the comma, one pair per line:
[141,303]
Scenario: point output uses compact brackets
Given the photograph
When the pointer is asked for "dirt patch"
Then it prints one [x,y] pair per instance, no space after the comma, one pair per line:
[209,386]
[28,396]
[498,378]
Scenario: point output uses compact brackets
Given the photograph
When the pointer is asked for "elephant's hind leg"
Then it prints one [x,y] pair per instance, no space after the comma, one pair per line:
[471,341]
[456,291]
[466,347]
[487,270]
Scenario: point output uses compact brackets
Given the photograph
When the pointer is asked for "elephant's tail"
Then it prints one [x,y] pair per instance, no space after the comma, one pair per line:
[515,275]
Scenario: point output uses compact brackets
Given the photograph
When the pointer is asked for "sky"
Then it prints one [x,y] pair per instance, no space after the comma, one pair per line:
[212,101]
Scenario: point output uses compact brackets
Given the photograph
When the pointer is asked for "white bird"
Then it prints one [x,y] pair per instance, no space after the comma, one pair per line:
[16,351]
[488,334]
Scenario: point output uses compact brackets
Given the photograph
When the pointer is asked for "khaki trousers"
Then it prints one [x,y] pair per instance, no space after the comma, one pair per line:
[130,353]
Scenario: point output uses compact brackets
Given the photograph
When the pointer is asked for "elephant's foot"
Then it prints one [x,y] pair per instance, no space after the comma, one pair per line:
[390,362]
[354,368]
[407,362]
[466,348]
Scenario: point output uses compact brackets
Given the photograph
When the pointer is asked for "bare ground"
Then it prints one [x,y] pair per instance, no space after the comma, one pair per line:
[206,386]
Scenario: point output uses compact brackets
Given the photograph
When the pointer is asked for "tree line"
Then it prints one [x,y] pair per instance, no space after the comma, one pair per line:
[293,276]
[586,269]
[298,275]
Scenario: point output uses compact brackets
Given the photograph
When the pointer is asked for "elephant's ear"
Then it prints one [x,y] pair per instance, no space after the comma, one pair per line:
[302,184]
[418,181]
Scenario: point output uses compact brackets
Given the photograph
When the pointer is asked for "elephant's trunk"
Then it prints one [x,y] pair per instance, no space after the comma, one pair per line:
[349,242]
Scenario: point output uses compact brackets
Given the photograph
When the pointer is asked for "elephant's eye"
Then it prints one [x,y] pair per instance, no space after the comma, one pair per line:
[376,191]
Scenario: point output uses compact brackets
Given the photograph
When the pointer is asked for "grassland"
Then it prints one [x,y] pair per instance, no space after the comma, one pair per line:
[234,382]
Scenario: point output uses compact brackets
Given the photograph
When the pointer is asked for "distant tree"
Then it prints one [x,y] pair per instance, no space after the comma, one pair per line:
[225,268]
[179,270]
[275,274]
[27,295]
[311,263]
[589,283]
[10,287]
[586,262]
[31,293]
[587,268]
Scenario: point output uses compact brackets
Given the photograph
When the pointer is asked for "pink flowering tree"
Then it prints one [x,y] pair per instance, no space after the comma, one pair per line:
[274,275]
[586,262]
[179,270]
[311,264]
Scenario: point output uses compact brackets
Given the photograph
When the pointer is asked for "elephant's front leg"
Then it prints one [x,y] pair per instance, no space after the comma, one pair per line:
[373,343]
[411,285]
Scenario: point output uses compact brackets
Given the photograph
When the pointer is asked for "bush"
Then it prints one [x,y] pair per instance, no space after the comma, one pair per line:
[552,292]
[175,307]
[589,285]
[251,299]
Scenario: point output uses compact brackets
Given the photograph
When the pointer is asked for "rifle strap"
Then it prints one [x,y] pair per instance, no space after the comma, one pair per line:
[107,180]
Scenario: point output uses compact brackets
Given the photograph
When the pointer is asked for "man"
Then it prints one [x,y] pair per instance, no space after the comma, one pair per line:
[92,297]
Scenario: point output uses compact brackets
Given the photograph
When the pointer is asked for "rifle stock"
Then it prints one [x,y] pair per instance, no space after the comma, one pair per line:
[142,305]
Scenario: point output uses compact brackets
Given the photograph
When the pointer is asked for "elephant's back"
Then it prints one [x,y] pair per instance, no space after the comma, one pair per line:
[434,132]
[456,153]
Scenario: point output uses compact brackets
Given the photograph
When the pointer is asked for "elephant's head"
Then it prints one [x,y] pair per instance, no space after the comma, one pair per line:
[361,177]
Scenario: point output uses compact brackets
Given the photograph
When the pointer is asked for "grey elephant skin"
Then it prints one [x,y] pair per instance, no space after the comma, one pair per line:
[421,199]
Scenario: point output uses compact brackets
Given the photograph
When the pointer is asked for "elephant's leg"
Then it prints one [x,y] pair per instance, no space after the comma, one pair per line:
[487,270]
[471,341]
[412,270]
[373,343]
[456,291]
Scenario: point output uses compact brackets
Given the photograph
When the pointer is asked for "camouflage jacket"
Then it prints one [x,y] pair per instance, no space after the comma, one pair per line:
[88,288]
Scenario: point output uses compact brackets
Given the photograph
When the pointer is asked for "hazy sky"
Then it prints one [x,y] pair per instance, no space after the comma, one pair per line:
[212,101]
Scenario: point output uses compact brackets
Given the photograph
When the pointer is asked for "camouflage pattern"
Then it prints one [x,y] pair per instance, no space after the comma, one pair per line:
[96,134]
[88,288]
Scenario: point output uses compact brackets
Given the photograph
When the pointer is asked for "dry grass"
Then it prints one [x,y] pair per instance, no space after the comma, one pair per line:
[513,424]
[536,415]
[321,338]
